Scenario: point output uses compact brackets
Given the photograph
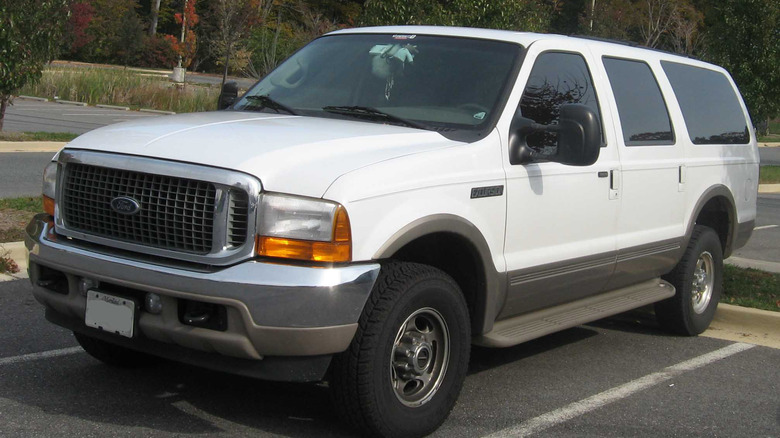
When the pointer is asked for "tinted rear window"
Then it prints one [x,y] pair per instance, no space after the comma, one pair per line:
[709,105]
[643,114]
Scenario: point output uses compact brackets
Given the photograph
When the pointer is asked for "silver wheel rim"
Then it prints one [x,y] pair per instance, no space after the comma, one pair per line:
[703,282]
[419,358]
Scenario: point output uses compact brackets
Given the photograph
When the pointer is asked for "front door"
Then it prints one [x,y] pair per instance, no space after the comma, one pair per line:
[561,220]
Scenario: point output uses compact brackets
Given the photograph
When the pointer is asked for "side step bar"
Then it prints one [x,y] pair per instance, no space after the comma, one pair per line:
[518,329]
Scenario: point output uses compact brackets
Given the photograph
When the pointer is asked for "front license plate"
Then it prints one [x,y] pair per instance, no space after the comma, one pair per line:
[110,313]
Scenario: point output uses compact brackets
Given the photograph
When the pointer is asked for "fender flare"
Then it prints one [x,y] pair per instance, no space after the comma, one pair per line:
[731,210]
[489,301]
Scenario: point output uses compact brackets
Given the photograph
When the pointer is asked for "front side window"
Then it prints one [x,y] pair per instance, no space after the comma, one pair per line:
[641,107]
[556,79]
[446,84]
[709,105]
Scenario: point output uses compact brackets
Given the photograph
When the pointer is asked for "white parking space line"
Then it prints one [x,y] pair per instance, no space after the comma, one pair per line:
[765,227]
[576,409]
[42,355]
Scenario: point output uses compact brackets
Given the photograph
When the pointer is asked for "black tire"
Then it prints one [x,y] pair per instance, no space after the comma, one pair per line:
[408,301]
[114,355]
[698,278]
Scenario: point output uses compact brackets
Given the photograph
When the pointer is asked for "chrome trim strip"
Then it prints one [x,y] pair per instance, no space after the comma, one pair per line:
[223,179]
[648,251]
[561,270]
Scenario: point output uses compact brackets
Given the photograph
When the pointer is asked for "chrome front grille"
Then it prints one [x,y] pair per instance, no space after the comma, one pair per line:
[238,218]
[176,213]
[176,210]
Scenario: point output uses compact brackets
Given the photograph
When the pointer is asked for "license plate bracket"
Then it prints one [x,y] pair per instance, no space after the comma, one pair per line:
[110,313]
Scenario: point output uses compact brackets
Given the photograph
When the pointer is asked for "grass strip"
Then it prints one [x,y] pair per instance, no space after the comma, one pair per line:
[37,136]
[31,204]
[751,288]
[769,175]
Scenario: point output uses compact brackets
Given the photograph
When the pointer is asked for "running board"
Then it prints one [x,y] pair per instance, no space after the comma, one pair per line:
[513,331]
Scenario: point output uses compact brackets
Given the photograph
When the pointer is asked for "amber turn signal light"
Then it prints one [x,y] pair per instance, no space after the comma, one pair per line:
[48,205]
[339,249]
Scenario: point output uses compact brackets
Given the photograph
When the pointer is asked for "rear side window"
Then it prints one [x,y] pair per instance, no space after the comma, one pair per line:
[557,78]
[641,107]
[709,105]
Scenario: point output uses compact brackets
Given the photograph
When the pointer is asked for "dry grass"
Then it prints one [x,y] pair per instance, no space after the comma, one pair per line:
[121,87]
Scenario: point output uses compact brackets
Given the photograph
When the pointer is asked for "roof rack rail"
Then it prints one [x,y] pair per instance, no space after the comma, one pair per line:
[629,44]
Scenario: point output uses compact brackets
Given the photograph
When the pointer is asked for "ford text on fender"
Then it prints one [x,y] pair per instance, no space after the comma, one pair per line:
[388,197]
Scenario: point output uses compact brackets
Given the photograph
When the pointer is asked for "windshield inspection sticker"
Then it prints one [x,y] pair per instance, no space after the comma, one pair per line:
[480,115]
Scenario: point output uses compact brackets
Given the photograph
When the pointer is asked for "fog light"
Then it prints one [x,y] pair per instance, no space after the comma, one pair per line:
[86,284]
[153,303]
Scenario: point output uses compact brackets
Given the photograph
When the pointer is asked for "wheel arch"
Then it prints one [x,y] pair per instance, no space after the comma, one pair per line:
[457,247]
[716,209]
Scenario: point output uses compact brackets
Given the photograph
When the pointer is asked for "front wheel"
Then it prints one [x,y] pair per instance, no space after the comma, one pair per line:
[698,279]
[404,369]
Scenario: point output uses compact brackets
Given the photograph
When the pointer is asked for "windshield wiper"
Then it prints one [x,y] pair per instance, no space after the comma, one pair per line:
[369,113]
[266,101]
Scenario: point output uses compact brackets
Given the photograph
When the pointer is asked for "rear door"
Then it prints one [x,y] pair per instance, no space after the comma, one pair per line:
[650,227]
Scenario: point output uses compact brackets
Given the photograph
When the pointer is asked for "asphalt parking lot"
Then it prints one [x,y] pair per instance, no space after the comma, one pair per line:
[618,377]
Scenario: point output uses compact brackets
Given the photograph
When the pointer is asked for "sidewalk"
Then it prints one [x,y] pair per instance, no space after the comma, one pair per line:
[18,253]
[31,146]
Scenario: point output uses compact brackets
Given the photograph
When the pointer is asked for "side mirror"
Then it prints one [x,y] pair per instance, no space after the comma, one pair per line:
[228,96]
[579,137]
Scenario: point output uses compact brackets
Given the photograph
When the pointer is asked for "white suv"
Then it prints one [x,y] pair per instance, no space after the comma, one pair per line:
[389,196]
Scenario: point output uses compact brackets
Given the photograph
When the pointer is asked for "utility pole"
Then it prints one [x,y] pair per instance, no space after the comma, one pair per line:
[592,12]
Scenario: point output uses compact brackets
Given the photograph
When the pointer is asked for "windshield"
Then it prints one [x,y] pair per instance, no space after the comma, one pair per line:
[445,84]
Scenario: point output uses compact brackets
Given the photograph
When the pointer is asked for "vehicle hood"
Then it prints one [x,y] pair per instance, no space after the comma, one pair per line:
[291,154]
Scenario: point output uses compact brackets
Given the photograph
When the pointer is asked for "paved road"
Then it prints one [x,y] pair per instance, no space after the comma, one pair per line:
[611,378]
[770,156]
[28,115]
[764,244]
[21,173]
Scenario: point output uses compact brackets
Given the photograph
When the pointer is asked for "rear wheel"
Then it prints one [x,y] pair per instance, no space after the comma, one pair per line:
[698,279]
[114,355]
[404,369]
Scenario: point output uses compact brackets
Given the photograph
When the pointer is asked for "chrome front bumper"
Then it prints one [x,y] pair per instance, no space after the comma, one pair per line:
[272,309]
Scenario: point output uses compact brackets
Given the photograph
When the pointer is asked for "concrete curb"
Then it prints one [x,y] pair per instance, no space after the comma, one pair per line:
[39,99]
[768,145]
[18,253]
[762,265]
[145,110]
[125,108]
[743,324]
[31,146]
[769,188]
[70,102]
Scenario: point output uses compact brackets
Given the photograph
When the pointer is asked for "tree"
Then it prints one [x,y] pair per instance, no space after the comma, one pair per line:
[232,20]
[613,19]
[155,15]
[526,15]
[744,39]
[30,36]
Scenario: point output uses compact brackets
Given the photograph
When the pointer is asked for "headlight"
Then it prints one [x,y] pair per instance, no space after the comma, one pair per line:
[49,187]
[303,229]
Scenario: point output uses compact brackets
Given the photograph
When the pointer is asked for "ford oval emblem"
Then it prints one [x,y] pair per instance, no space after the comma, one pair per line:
[125,205]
